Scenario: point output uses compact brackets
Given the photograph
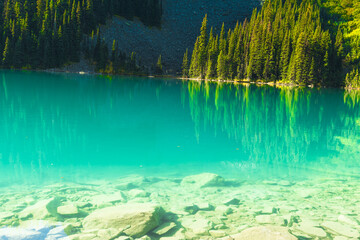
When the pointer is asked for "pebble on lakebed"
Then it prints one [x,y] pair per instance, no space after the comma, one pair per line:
[201,206]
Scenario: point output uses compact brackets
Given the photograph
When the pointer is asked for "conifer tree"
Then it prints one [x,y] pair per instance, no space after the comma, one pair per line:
[185,65]
[221,70]
[300,59]
[6,54]
[202,47]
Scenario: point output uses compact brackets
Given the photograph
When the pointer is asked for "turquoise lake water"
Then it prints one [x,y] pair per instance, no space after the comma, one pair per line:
[69,127]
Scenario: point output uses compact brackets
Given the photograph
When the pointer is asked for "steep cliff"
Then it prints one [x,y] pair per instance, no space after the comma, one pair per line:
[180,26]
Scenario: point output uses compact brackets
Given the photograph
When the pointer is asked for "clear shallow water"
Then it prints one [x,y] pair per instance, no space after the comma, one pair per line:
[67,127]
[290,157]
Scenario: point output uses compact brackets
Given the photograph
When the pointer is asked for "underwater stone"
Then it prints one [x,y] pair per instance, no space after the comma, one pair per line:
[231,201]
[142,218]
[311,230]
[42,209]
[305,193]
[341,229]
[83,204]
[203,180]
[82,236]
[224,210]
[205,206]
[109,233]
[108,198]
[264,232]
[270,219]
[192,209]
[220,226]
[137,193]
[285,183]
[340,238]
[123,238]
[217,233]
[198,226]
[269,182]
[348,220]
[178,235]
[125,186]
[68,210]
[6,215]
[144,238]
[164,228]
[270,210]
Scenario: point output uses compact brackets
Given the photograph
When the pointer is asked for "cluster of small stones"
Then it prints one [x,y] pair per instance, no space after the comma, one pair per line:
[204,206]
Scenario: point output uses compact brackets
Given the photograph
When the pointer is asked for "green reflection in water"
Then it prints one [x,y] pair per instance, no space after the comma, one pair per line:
[295,128]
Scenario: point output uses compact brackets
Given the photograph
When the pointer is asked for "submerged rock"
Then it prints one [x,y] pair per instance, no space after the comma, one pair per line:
[142,218]
[6,215]
[231,201]
[198,226]
[68,211]
[42,209]
[205,206]
[192,209]
[311,230]
[203,180]
[348,220]
[164,228]
[138,193]
[270,219]
[285,183]
[217,233]
[340,229]
[102,200]
[262,233]
[223,210]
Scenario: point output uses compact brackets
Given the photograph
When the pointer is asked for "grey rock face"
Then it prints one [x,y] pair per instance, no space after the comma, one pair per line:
[181,24]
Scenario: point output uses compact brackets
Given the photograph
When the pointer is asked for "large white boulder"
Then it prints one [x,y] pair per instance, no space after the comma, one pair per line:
[141,218]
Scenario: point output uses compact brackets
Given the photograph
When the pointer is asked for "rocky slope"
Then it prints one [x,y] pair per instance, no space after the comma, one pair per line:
[180,26]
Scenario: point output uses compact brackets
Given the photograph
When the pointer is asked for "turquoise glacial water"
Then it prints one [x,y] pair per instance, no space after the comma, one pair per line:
[69,127]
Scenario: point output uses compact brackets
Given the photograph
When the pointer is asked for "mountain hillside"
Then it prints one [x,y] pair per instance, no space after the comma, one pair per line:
[180,26]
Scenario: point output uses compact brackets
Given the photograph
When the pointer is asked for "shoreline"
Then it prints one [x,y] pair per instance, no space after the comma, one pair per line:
[243,82]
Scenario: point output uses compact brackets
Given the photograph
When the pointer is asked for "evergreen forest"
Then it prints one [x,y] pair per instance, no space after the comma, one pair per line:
[304,42]
[50,33]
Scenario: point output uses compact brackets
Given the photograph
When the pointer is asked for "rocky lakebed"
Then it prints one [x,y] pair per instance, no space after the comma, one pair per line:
[202,206]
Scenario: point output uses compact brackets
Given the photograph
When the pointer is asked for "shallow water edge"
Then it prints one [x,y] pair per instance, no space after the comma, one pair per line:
[201,206]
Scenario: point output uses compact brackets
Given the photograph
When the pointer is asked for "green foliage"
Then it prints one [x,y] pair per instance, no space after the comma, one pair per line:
[185,65]
[352,79]
[345,15]
[285,41]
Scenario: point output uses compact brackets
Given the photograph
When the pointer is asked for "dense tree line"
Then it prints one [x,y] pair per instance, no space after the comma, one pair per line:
[49,33]
[284,41]
[346,14]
